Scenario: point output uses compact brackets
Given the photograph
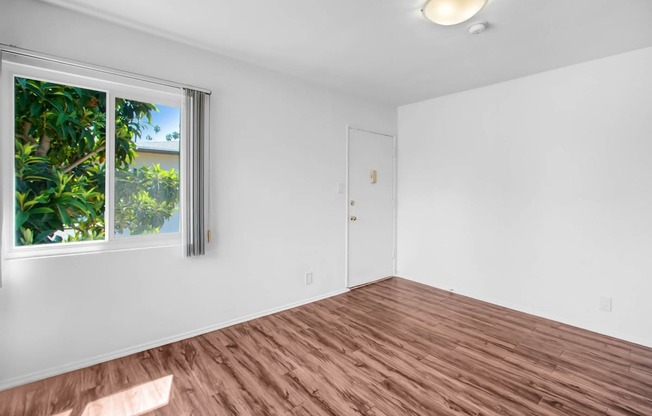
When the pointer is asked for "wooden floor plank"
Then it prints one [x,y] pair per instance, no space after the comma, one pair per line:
[394,347]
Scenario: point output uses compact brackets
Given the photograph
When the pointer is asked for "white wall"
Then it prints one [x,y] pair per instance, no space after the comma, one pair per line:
[278,152]
[536,194]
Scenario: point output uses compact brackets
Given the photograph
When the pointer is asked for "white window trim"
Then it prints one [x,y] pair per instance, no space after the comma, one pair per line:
[115,86]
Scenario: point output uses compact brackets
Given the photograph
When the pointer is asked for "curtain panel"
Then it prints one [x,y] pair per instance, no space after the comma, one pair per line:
[197,183]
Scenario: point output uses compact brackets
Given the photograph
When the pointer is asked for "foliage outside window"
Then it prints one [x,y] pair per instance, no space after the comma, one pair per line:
[61,166]
[146,194]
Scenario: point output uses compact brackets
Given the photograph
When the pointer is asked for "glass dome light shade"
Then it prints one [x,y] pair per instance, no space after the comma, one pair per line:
[451,12]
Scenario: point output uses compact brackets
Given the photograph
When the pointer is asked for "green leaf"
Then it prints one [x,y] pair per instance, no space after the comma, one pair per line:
[27,236]
[62,118]
[65,218]
[65,94]
[41,210]
[21,218]
[35,108]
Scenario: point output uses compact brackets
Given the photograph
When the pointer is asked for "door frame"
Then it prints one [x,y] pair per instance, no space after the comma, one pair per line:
[350,127]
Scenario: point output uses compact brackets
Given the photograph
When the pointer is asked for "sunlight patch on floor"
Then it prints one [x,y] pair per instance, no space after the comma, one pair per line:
[132,402]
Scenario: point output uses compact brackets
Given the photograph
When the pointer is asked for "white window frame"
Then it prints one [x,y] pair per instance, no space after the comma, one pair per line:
[115,86]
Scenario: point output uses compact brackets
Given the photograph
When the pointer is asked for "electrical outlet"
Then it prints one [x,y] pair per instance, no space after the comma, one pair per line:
[308,278]
[605,304]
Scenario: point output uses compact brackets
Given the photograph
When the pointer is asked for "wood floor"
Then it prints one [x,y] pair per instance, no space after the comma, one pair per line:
[391,348]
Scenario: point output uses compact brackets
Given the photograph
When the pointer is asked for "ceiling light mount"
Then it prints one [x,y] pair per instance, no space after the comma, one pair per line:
[451,12]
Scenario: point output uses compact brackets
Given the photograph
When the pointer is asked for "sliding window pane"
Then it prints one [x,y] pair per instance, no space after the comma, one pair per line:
[147,162]
[59,150]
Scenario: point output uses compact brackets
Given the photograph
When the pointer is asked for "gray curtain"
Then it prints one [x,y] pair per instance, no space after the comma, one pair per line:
[2,249]
[197,182]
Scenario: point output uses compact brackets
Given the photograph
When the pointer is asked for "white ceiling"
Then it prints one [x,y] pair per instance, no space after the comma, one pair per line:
[385,49]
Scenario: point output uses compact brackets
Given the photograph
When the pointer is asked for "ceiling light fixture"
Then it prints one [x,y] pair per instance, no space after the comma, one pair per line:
[451,12]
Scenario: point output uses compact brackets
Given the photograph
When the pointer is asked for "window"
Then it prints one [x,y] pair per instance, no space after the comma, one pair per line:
[90,161]
[147,165]
[59,154]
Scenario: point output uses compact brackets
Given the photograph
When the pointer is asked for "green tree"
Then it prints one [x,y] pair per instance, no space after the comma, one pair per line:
[60,150]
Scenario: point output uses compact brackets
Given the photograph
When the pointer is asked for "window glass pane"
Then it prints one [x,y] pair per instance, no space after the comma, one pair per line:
[146,168]
[60,142]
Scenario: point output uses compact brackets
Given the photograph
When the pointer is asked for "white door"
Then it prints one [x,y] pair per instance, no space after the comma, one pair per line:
[370,248]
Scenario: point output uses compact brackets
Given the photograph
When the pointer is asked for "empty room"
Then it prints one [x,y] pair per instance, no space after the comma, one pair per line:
[370,207]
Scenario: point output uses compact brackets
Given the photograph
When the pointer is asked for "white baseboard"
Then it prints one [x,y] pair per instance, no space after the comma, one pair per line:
[76,365]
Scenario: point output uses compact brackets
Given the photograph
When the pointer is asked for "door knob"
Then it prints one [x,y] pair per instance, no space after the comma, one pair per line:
[354,218]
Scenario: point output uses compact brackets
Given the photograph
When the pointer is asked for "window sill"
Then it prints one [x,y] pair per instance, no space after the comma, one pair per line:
[93,247]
